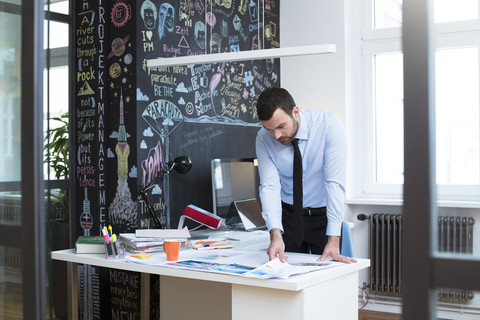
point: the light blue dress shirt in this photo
(323, 145)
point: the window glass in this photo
(58, 36)
(59, 6)
(56, 120)
(58, 93)
(455, 10)
(387, 14)
(10, 97)
(457, 116)
(388, 97)
(457, 99)
(19, 2)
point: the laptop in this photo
(246, 214)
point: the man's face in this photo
(149, 18)
(169, 19)
(282, 126)
(200, 34)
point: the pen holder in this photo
(109, 249)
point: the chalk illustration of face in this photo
(149, 14)
(215, 43)
(200, 34)
(166, 19)
(225, 3)
(270, 64)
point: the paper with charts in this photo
(253, 264)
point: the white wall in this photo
(315, 82)
(329, 82)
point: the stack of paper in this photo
(148, 240)
(133, 244)
(211, 244)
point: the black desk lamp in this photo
(181, 164)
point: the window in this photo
(457, 81)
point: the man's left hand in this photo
(332, 249)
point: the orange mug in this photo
(172, 249)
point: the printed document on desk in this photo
(237, 262)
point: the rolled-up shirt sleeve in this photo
(269, 189)
(335, 163)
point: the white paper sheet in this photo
(237, 262)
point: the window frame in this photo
(388, 40)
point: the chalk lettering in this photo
(175, 51)
(126, 279)
(85, 113)
(163, 91)
(148, 46)
(88, 136)
(85, 76)
(102, 198)
(101, 180)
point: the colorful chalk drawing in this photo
(163, 117)
(121, 13)
(122, 212)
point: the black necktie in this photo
(297, 193)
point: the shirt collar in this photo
(302, 132)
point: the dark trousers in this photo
(314, 232)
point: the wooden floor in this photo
(373, 315)
(11, 301)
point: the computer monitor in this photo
(233, 179)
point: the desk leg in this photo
(145, 296)
(72, 290)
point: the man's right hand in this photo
(277, 246)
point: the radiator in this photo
(455, 235)
(10, 214)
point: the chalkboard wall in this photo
(105, 155)
(202, 111)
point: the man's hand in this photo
(277, 246)
(332, 249)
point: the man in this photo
(322, 144)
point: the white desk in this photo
(186, 294)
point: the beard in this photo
(287, 139)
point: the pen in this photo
(215, 244)
(114, 241)
(110, 231)
(205, 242)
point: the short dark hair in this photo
(271, 99)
